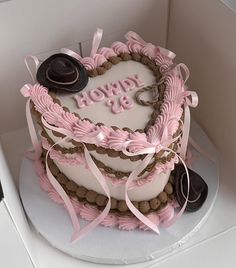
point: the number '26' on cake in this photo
(113, 135)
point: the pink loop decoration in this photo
(96, 42)
(36, 62)
(132, 36)
(71, 53)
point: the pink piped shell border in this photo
(89, 213)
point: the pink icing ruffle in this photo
(107, 52)
(119, 47)
(150, 51)
(134, 47)
(90, 213)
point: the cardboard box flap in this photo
(1, 192)
(13, 205)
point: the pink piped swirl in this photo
(107, 52)
(134, 47)
(37, 90)
(42, 102)
(88, 63)
(127, 223)
(119, 47)
(172, 89)
(116, 139)
(170, 108)
(163, 61)
(44, 183)
(53, 194)
(110, 220)
(89, 213)
(154, 133)
(166, 214)
(76, 204)
(82, 128)
(150, 51)
(68, 120)
(99, 59)
(138, 142)
(52, 116)
(154, 217)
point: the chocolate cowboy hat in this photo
(198, 188)
(62, 72)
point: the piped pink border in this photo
(89, 213)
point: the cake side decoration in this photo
(82, 157)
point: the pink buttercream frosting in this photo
(134, 47)
(82, 128)
(89, 63)
(116, 139)
(119, 47)
(107, 52)
(99, 59)
(163, 61)
(150, 50)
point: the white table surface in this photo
(217, 251)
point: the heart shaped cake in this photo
(113, 127)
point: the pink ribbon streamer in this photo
(189, 102)
(96, 42)
(36, 62)
(71, 53)
(33, 136)
(135, 37)
(56, 185)
(95, 45)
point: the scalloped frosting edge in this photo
(79, 159)
(89, 213)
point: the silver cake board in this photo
(110, 245)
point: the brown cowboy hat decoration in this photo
(198, 189)
(62, 72)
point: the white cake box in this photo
(201, 33)
(13, 215)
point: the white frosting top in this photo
(134, 118)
